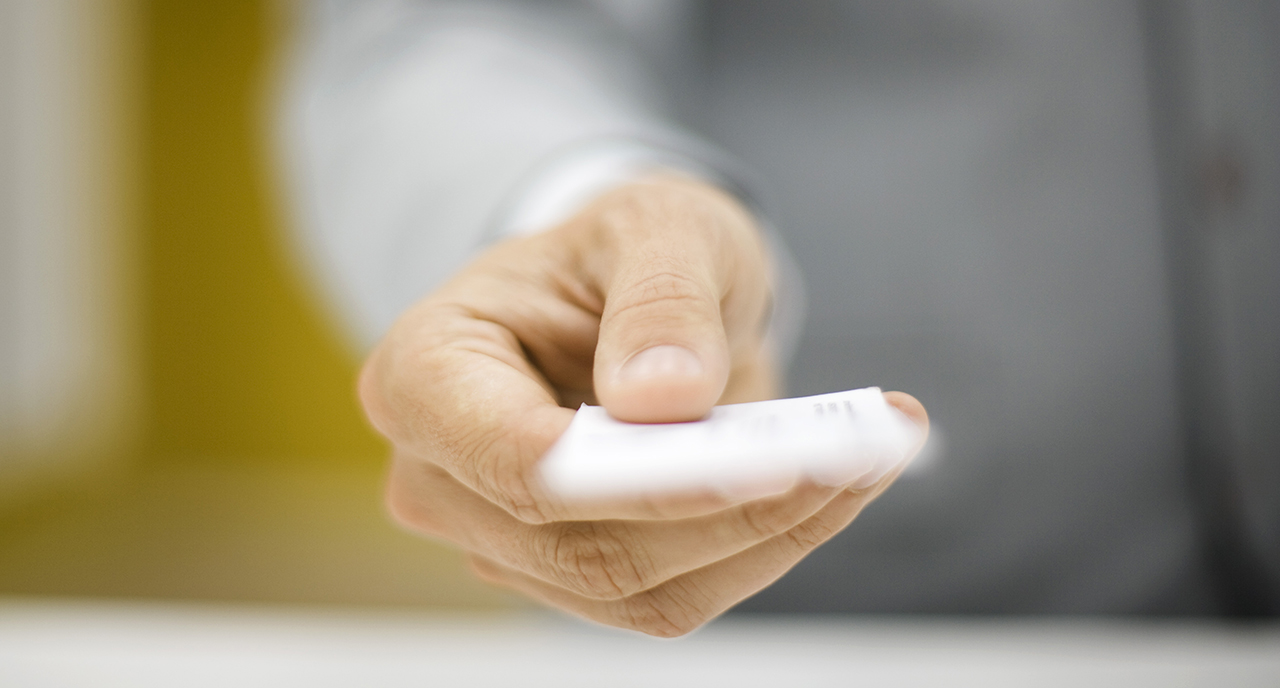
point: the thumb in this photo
(678, 267)
(684, 296)
(662, 355)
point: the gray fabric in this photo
(971, 191)
(405, 126)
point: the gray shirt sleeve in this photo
(406, 129)
(412, 133)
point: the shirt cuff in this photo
(567, 183)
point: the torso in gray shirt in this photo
(973, 192)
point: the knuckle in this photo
(512, 490)
(810, 534)
(501, 476)
(764, 520)
(593, 560)
(663, 288)
(661, 615)
(370, 397)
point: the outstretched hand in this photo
(651, 302)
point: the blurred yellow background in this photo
(242, 469)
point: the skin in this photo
(476, 381)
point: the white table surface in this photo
(69, 643)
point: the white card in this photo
(832, 439)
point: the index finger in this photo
(454, 387)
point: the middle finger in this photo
(608, 559)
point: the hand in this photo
(652, 301)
